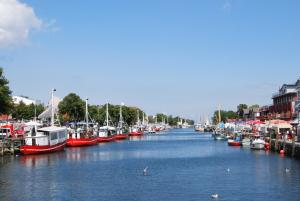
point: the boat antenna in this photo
(52, 107)
(35, 112)
(219, 114)
(107, 114)
(121, 117)
(86, 113)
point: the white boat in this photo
(258, 144)
(199, 127)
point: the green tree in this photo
(26, 112)
(20, 111)
(225, 115)
(5, 95)
(240, 109)
(72, 108)
(160, 117)
(173, 120)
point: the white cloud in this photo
(16, 21)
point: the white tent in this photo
(47, 113)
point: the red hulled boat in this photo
(45, 140)
(234, 143)
(121, 136)
(82, 142)
(136, 133)
(42, 149)
(106, 139)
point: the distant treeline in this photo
(230, 114)
(72, 109)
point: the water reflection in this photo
(32, 161)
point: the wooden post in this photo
(284, 142)
(276, 142)
(293, 143)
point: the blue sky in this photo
(178, 57)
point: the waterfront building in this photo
(285, 100)
(251, 113)
(264, 113)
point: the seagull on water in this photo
(145, 171)
(287, 170)
(228, 170)
(214, 196)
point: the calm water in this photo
(182, 166)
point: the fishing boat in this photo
(136, 130)
(121, 134)
(85, 141)
(106, 133)
(219, 131)
(80, 137)
(235, 142)
(46, 139)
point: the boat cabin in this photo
(6, 131)
(106, 131)
(46, 136)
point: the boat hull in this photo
(81, 142)
(220, 137)
(105, 139)
(31, 149)
(136, 134)
(258, 146)
(121, 136)
(234, 143)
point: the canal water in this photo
(182, 166)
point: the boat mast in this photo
(52, 107)
(219, 114)
(35, 112)
(138, 118)
(107, 115)
(121, 117)
(143, 118)
(86, 113)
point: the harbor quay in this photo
(149, 100)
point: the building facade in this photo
(285, 101)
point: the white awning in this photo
(47, 113)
